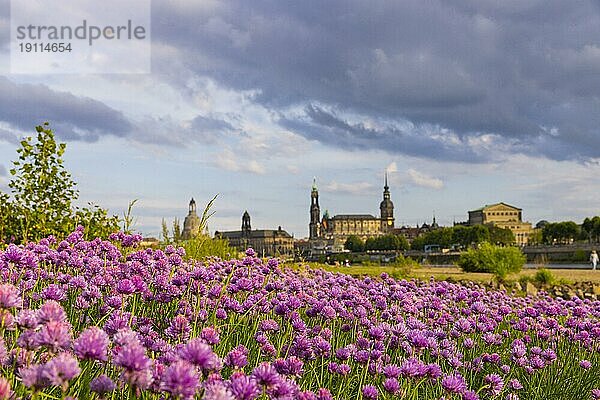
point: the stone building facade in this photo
(330, 233)
(266, 242)
(503, 216)
(191, 224)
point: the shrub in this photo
(202, 246)
(579, 256)
(354, 244)
(499, 261)
(544, 277)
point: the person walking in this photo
(594, 259)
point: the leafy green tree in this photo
(43, 193)
(96, 221)
(42, 188)
(590, 229)
(497, 260)
(386, 242)
(442, 237)
(165, 232)
(176, 230)
(354, 244)
(7, 227)
(560, 232)
(503, 236)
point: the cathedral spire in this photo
(386, 187)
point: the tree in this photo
(165, 232)
(387, 242)
(590, 229)
(42, 195)
(562, 232)
(354, 244)
(497, 260)
(503, 236)
(42, 188)
(442, 237)
(96, 221)
(6, 220)
(176, 230)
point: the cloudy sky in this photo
(464, 102)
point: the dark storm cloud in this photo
(332, 130)
(72, 117)
(525, 70)
(166, 131)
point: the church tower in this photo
(246, 228)
(314, 230)
(386, 208)
(191, 224)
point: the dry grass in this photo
(455, 273)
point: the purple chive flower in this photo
(242, 387)
(266, 375)
(102, 385)
(514, 384)
(495, 384)
(268, 325)
(33, 377)
(61, 369)
(391, 371)
(54, 335)
(237, 358)
(10, 297)
(3, 351)
(51, 311)
(125, 286)
(54, 292)
(5, 391)
(470, 395)
(27, 319)
(370, 392)
(391, 385)
(92, 344)
(596, 394)
(217, 391)
(180, 380)
(585, 364)
(210, 335)
(200, 354)
(179, 328)
(132, 357)
(413, 368)
(454, 384)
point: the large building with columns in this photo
(332, 232)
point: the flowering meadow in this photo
(100, 319)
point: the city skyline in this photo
(464, 103)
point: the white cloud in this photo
(421, 179)
(392, 167)
(356, 188)
(227, 160)
(293, 169)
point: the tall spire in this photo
(386, 181)
(314, 186)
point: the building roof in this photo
(354, 216)
(494, 205)
(257, 233)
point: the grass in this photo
(455, 273)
